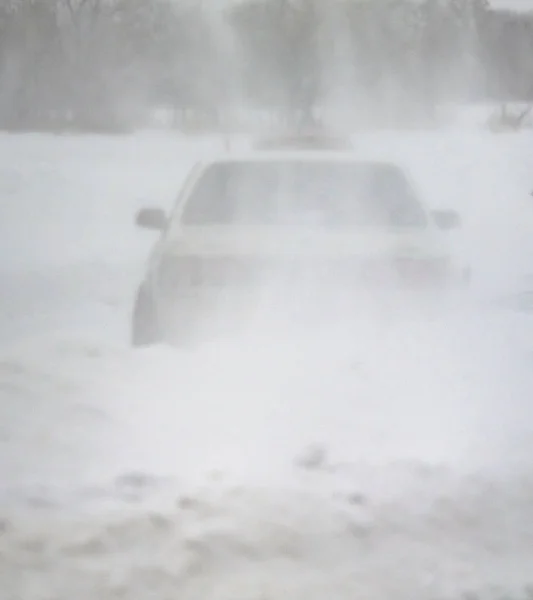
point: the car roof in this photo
(307, 141)
(326, 156)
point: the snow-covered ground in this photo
(393, 460)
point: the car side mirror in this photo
(151, 218)
(446, 220)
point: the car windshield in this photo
(312, 193)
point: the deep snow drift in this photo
(385, 459)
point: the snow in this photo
(378, 459)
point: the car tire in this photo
(144, 327)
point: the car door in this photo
(164, 247)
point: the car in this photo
(304, 141)
(286, 227)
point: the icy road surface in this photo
(393, 460)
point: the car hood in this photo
(280, 242)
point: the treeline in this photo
(106, 64)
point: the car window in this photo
(323, 194)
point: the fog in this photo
(112, 65)
(337, 442)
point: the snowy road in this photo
(391, 462)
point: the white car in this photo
(310, 142)
(292, 230)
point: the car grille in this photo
(187, 272)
